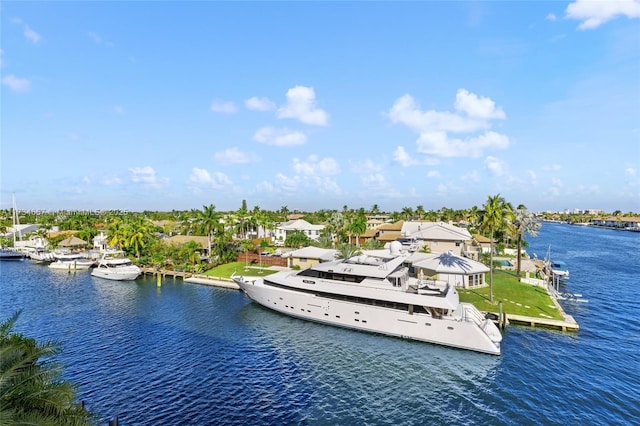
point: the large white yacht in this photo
(72, 262)
(114, 265)
(375, 292)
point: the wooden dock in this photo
(166, 273)
(567, 324)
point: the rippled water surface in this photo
(189, 354)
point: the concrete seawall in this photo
(212, 281)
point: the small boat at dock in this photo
(72, 262)
(114, 265)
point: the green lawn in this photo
(517, 298)
(240, 268)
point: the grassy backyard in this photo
(240, 268)
(517, 298)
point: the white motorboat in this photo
(72, 262)
(559, 268)
(376, 293)
(40, 255)
(114, 265)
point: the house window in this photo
(303, 260)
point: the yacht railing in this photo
(470, 313)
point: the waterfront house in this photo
(178, 240)
(440, 237)
(619, 222)
(478, 246)
(389, 231)
(308, 229)
(307, 257)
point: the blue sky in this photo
(312, 105)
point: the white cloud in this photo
(16, 84)
(279, 137)
(477, 106)
(312, 174)
(234, 156)
(407, 111)
(147, 176)
(265, 187)
(118, 109)
(438, 143)
(552, 17)
(595, 13)
(301, 105)
(401, 157)
(223, 107)
(201, 178)
(286, 183)
(315, 166)
(472, 114)
(374, 181)
(533, 177)
(259, 104)
(433, 174)
(31, 35)
(630, 172)
(495, 166)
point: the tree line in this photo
(231, 232)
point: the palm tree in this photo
(523, 222)
(358, 226)
(336, 225)
(137, 234)
(209, 220)
(31, 389)
(116, 232)
(345, 251)
(284, 212)
(473, 216)
(407, 213)
(496, 213)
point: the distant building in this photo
(307, 257)
(308, 229)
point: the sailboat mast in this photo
(16, 221)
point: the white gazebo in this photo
(456, 270)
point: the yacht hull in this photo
(115, 275)
(72, 266)
(453, 331)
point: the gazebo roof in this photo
(449, 263)
(72, 241)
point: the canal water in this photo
(187, 354)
